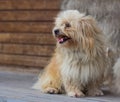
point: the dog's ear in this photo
(89, 31)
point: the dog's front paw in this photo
(95, 92)
(75, 94)
(51, 90)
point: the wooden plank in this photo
(28, 61)
(21, 83)
(35, 50)
(29, 4)
(28, 15)
(37, 27)
(27, 38)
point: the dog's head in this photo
(75, 29)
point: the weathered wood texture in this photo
(26, 31)
(21, 83)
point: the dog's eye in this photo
(67, 25)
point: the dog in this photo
(78, 64)
(106, 12)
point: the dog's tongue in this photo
(60, 40)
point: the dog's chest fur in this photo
(79, 68)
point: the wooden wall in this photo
(25, 31)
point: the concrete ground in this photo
(16, 87)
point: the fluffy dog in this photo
(106, 12)
(78, 64)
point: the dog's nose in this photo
(56, 31)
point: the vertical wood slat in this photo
(31, 27)
(27, 38)
(29, 4)
(28, 15)
(23, 49)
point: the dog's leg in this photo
(50, 81)
(73, 89)
(94, 90)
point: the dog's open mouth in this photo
(62, 38)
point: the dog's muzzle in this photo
(61, 37)
(56, 32)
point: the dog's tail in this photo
(37, 85)
(116, 79)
